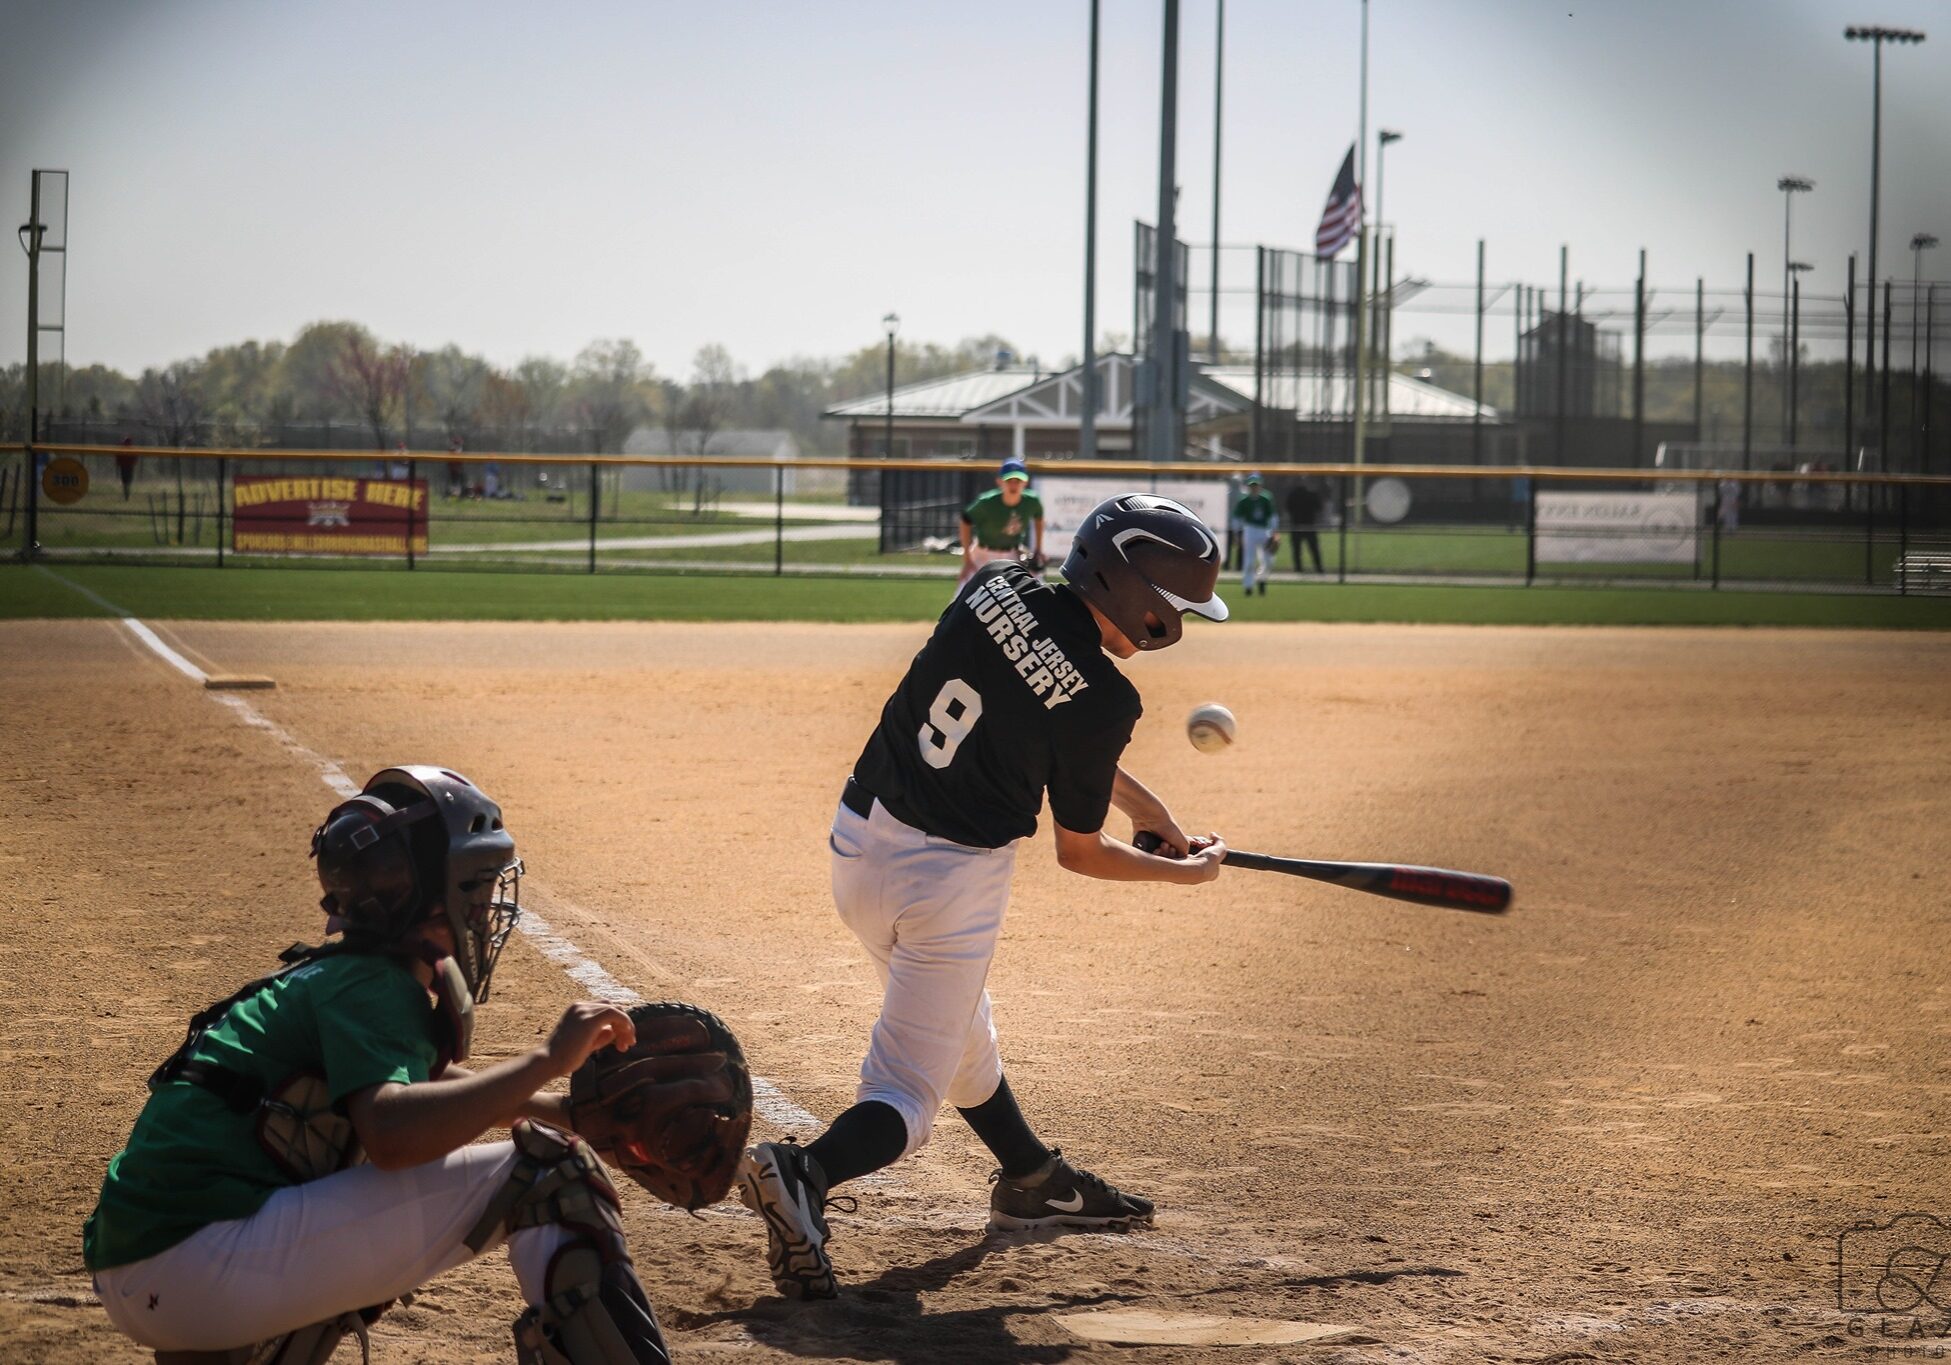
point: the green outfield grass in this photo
(342, 594)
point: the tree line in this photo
(339, 375)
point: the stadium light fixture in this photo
(1876, 35)
(1919, 244)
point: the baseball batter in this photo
(1015, 694)
(1259, 525)
(1004, 523)
(304, 1157)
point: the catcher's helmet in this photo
(1144, 561)
(418, 841)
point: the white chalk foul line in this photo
(767, 1098)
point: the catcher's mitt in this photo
(672, 1112)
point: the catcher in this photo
(308, 1154)
(1004, 523)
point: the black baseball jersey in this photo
(1013, 693)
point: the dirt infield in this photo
(1627, 1122)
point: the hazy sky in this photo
(777, 174)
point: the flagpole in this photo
(1361, 270)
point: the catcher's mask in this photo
(1144, 561)
(416, 842)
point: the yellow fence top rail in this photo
(1136, 468)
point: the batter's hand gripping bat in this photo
(1422, 885)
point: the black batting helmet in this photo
(417, 841)
(1144, 561)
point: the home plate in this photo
(1145, 1327)
(237, 682)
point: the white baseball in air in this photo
(1211, 728)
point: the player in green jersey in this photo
(1004, 523)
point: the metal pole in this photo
(594, 470)
(1531, 530)
(1341, 538)
(1639, 362)
(1794, 353)
(1361, 259)
(1162, 431)
(1477, 385)
(410, 465)
(1849, 375)
(1883, 382)
(1700, 353)
(779, 521)
(1748, 373)
(1386, 304)
(31, 542)
(1254, 437)
(1088, 418)
(221, 471)
(887, 430)
(1563, 348)
(1916, 267)
(1219, 86)
(1876, 188)
(1930, 382)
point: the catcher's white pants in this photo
(1253, 555)
(928, 911)
(317, 1250)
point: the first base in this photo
(237, 682)
(1146, 1327)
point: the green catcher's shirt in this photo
(1255, 509)
(1003, 528)
(360, 1019)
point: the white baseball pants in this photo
(977, 556)
(317, 1250)
(928, 911)
(1253, 555)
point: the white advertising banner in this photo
(1617, 528)
(1068, 499)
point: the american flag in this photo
(1343, 215)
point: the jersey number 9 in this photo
(953, 713)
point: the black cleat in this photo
(1058, 1194)
(786, 1187)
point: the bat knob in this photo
(1147, 842)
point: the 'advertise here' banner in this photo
(328, 516)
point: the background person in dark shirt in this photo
(1303, 515)
(1014, 694)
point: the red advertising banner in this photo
(331, 516)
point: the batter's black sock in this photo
(865, 1138)
(1005, 1132)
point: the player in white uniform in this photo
(305, 1156)
(1014, 693)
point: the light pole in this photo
(1876, 35)
(1919, 244)
(890, 324)
(1383, 137)
(1792, 352)
(1790, 186)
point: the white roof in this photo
(948, 397)
(1317, 393)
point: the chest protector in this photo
(300, 1129)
